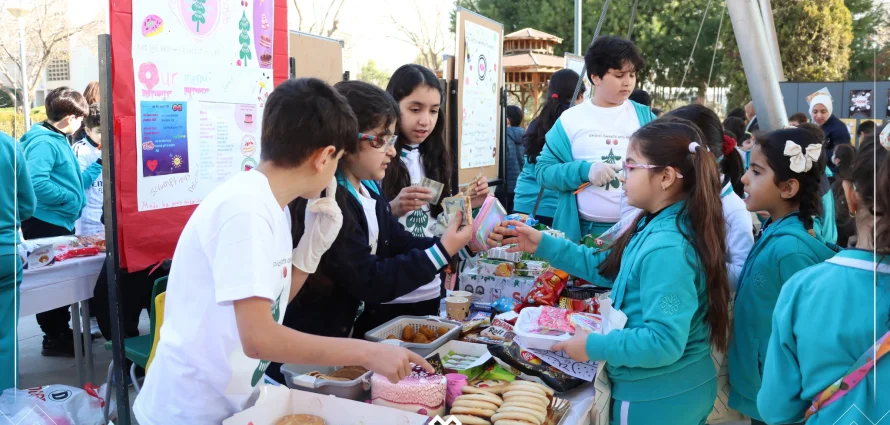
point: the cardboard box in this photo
(487, 289)
(276, 402)
(466, 348)
(499, 268)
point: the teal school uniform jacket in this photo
(527, 190)
(664, 349)
(13, 168)
(783, 249)
(558, 170)
(824, 321)
(59, 184)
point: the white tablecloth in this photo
(582, 401)
(59, 285)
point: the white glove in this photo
(601, 173)
(323, 221)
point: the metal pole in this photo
(759, 70)
(26, 104)
(766, 11)
(578, 28)
(112, 259)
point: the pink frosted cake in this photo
(420, 393)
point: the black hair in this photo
(845, 154)
(735, 127)
(92, 120)
(611, 52)
(772, 145)
(732, 166)
(514, 114)
(799, 117)
(559, 99)
(657, 112)
(65, 101)
(302, 116)
(372, 107)
(434, 151)
(865, 127)
(641, 96)
(737, 113)
(846, 225)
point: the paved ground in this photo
(36, 370)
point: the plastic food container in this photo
(396, 326)
(295, 377)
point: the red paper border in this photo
(145, 238)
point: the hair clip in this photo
(802, 161)
(692, 146)
(554, 96)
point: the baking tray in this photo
(396, 326)
(559, 409)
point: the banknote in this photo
(470, 188)
(435, 187)
(454, 204)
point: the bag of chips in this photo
(529, 364)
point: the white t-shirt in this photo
(418, 223)
(90, 221)
(236, 245)
(600, 135)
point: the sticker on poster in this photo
(164, 138)
(860, 103)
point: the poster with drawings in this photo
(202, 72)
(860, 103)
(479, 115)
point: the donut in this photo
(152, 25)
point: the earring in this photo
(853, 213)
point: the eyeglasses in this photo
(625, 166)
(379, 142)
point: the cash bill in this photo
(454, 204)
(435, 187)
(470, 188)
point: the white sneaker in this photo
(94, 327)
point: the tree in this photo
(370, 73)
(868, 17)
(428, 38)
(198, 14)
(244, 39)
(316, 23)
(48, 35)
(814, 44)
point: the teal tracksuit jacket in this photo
(783, 249)
(824, 321)
(664, 350)
(59, 184)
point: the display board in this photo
(189, 81)
(576, 63)
(480, 77)
(316, 56)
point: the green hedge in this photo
(8, 116)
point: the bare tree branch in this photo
(299, 16)
(429, 43)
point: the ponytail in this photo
(668, 142)
(882, 207)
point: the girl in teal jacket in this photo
(786, 168)
(559, 99)
(668, 277)
(805, 356)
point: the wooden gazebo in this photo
(529, 62)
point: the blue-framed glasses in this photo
(379, 142)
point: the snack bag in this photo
(555, 319)
(490, 216)
(548, 286)
(526, 362)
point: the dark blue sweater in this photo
(514, 157)
(836, 133)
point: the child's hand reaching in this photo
(480, 191)
(411, 198)
(575, 347)
(522, 235)
(456, 237)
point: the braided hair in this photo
(809, 195)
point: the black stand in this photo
(112, 260)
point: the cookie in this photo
(529, 400)
(539, 414)
(475, 404)
(482, 413)
(528, 388)
(469, 389)
(510, 394)
(517, 416)
(301, 420)
(469, 420)
(534, 384)
(512, 422)
(482, 397)
(527, 406)
(496, 386)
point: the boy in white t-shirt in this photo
(588, 143)
(235, 270)
(88, 149)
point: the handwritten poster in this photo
(479, 132)
(203, 71)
